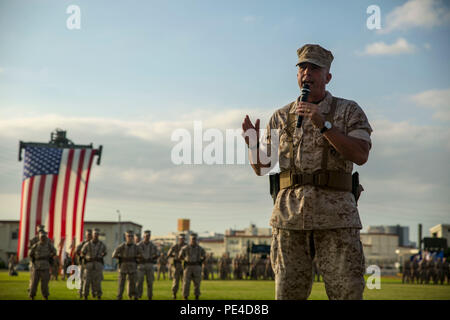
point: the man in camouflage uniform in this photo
(222, 266)
(162, 265)
(415, 275)
(176, 267)
(92, 254)
(12, 265)
(193, 256)
(440, 274)
(236, 267)
(315, 212)
(41, 255)
(127, 253)
(253, 268)
(423, 269)
(66, 263)
(33, 241)
(205, 271)
(406, 272)
(79, 260)
(432, 269)
(55, 268)
(446, 270)
(228, 263)
(147, 255)
(244, 266)
(210, 265)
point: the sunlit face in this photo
(88, 236)
(193, 241)
(147, 237)
(316, 77)
(181, 241)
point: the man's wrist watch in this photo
(326, 126)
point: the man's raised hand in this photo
(250, 132)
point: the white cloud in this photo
(401, 46)
(436, 100)
(149, 130)
(417, 13)
(250, 19)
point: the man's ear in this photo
(328, 79)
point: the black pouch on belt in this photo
(356, 187)
(274, 180)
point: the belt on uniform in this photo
(94, 259)
(142, 261)
(128, 259)
(325, 179)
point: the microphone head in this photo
(305, 88)
(304, 92)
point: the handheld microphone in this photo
(303, 97)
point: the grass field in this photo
(15, 288)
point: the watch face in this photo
(327, 124)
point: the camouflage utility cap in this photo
(313, 53)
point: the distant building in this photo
(214, 246)
(380, 249)
(401, 231)
(238, 241)
(441, 231)
(234, 241)
(405, 253)
(9, 235)
(111, 233)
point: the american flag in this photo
(54, 189)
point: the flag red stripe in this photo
(51, 213)
(40, 200)
(65, 194)
(85, 193)
(27, 227)
(19, 243)
(77, 190)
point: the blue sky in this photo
(138, 69)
